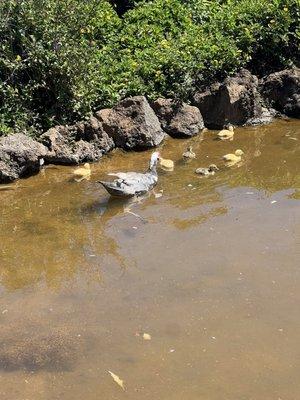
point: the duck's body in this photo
(83, 172)
(166, 164)
(207, 171)
(226, 134)
(189, 154)
(233, 158)
(130, 184)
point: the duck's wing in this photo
(81, 172)
(228, 157)
(222, 132)
(201, 171)
(139, 181)
(126, 175)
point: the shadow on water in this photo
(55, 351)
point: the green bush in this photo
(49, 59)
(62, 59)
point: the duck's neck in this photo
(152, 169)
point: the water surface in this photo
(210, 271)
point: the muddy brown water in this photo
(211, 271)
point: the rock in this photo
(82, 142)
(178, 119)
(236, 101)
(132, 124)
(282, 91)
(19, 156)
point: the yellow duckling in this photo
(189, 154)
(232, 159)
(166, 164)
(226, 134)
(83, 172)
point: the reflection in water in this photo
(66, 238)
(189, 223)
(82, 273)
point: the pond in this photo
(208, 268)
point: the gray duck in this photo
(130, 184)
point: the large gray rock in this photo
(236, 101)
(82, 142)
(282, 91)
(178, 119)
(19, 156)
(132, 124)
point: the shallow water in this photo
(210, 271)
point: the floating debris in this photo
(146, 336)
(126, 210)
(118, 381)
(6, 187)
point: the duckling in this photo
(83, 172)
(207, 171)
(167, 165)
(189, 154)
(232, 159)
(226, 134)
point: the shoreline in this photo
(137, 124)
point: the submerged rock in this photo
(82, 142)
(19, 156)
(132, 124)
(282, 91)
(178, 119)
(236, 100)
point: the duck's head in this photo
(213, 167)
(154, 159)
(230, 127)
(239, 152)
(86, 166)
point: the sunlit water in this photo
(211, 270)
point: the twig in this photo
(137, 215)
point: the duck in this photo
(233, 158)
(207, 171)
(130, 184)
(189, 154)
(83, 172)
(167, 165)
(226, 134)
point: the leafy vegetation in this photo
(61, 59)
